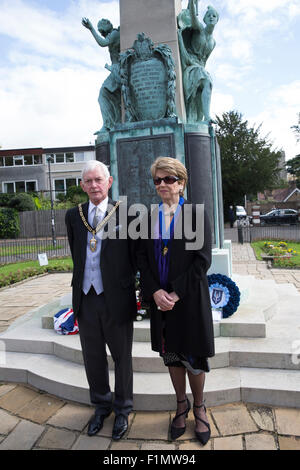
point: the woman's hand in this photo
(163, 300)
(174, 296)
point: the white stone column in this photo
(158, 20)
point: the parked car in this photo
(279, 216)
(240, 212)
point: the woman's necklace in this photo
(167, 235)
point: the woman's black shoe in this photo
(204, 436)
(177, 432)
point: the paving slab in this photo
(158, 446)
(5, 388)
(288, 421)
(17, 398)
(72, 416)
(7, 422)
(55, 438)
(260, 441)
(186, 446)
(228, 443)
(23, 437)
(233, 419)
(125, 445)
(91, 443)
(148, 425)
(41, 408)
(289, 443)
(263, 417)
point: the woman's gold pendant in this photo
(93, 244)
(165, 250)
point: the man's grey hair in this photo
(92, 165)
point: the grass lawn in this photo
(293, 262)
(63, 263)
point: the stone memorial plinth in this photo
(158, 20)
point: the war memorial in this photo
(155, 102)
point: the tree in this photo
(293, 167)
(249, 165)
(296, 129)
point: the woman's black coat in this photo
(189, 325)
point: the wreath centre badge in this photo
(224, 296)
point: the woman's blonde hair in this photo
(172, 166)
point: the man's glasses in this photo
(167, 179)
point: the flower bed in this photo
(281, 254)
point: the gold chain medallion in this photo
(93, 241)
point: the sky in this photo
(51, 69)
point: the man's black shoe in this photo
(96, 423)
(120, 427)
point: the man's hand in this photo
(163, 300)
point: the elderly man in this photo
(104, 299)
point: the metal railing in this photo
(269, 232)
(12, 251)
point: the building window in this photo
(8, 161)
(37, 159)
(79, 156)
(30, 186)
(19, 186)
(68, 157)
(8, 187)
(62, 185)
(59, 158)
(21, 160)
(28, 159)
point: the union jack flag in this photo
(64, 323)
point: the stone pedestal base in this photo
(222, 260)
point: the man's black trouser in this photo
(97, 330)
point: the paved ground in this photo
(31, 419)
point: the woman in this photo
(173, 279)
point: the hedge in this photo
(9, 223)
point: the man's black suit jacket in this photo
(117, 263)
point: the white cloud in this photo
(49, 107)
(258, 6)
(281, 108)
(49, 88)
(221, 103)
(46, 33)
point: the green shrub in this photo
(22, 202)
(76, 194)
(5, 199)
(9, 223)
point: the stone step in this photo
(274, 353)
(153, 391)
(259, 299)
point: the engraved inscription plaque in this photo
(148, 81)
(148, 89)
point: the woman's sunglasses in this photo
(167, 179)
